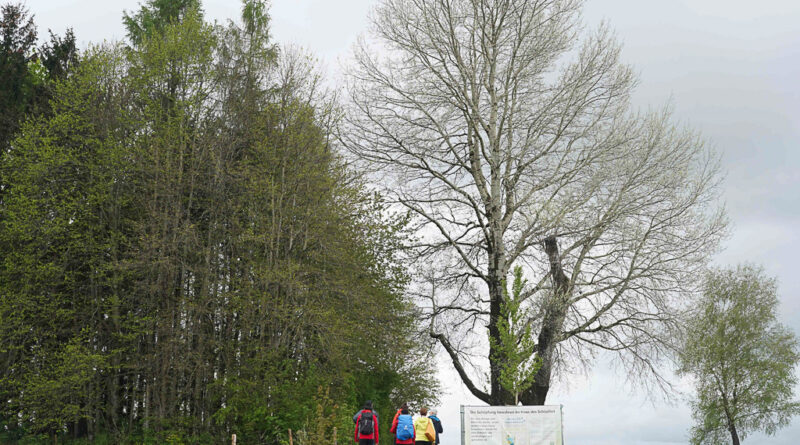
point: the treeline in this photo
(184, 254)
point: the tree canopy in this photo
(742, 359)
(509, 135)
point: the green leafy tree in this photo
(63, 226)
(516, 344)
(742, 359)
(63, 391)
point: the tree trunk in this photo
(496, 275)
(731, 423)
(82, 428)
(552, 325)
(498, 396)
(734, 435)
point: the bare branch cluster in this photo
(508, 132)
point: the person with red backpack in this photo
(403, 427)
(366, 425)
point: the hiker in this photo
(437, 424)
(403, 427)
(423, 426)
(375, 413)
(399, 411)
(366, 422)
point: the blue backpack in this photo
(405, 427)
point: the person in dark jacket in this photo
(355, 416)
(437, 424)
(366, 422)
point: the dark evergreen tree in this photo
(17, 79)
(60, 55)
(154, 16)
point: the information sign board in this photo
(511, 425)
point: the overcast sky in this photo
(731, 68)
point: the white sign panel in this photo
(511, 425)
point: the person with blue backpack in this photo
(403, 427)
(399, 410)
(366, 422)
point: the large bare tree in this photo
(508, 132)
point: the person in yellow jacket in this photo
(424, 425)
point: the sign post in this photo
(462, 425)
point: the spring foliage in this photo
(185, 256)
(517, 344)
(741, 357)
